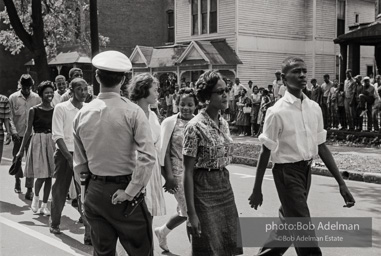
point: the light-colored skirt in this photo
(39, 158)
(154, 192)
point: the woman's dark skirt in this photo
(217, 212)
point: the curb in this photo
(367, 177)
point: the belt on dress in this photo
(210, 169)
(112, 179)
(44, 131)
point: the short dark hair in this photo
(206, 83)
(313, 80)
(139, 86)
(71, 72)
(26, 80)
(288, 61)
(76, 82)
(189, 92)
(60, 77)
(43, 85)
(109, 78)
(326, 75)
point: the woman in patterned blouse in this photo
(207, 150)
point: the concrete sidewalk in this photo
(368, 177)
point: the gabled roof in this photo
(215, 52)
(141, 55)
(369, 34)
(166, 56)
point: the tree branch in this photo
(17, 25)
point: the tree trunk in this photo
(41, 65)
(35, 42)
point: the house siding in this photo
(226, 22)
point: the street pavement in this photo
(25, 233)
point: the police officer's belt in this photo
(112, 179)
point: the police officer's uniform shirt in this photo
(112, 137)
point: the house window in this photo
(340, 17)
(195, 17)
(171, 26)
(213, 17)
(369, 70)
(204, 17)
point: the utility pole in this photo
(94, 39)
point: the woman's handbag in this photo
(16, 168)
(246, 110)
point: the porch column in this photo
(377, 55)
(354, 59)
(343, 62)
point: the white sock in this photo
(165, 230)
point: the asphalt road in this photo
(25, 233)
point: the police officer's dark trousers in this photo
(292, 182)
(108, 222)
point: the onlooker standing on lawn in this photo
(355, 104)
(349, 90)
(326, 88)
(243, 119)
(332, 105)
(367, 98)
(20, 102)
(255, 105)
(376, 111)
(277, 84)
(265, 104)
(341, 107)
(316, 92)
(231, 97)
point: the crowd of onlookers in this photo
(353, 105)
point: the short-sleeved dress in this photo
(176, 156)
(154, 189)
(214, 202)
(39, 158)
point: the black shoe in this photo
(74, 203)
(29, 195)
(87, 241)
(55, 231)
(80, 220)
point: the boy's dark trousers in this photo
(64, 174)
(292, 182)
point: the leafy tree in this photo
(44, 25)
